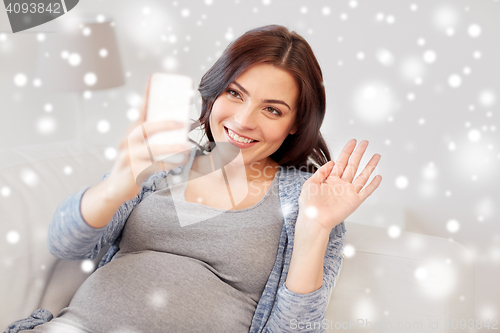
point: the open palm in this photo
(330, 195)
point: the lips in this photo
(227, 130)
(237, 143)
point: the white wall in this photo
(444, 141)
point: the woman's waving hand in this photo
(332, 194)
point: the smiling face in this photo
(260, 105)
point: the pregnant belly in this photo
(157, 292)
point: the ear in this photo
(294, 129)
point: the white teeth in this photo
(236, 137)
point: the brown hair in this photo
(275, 45)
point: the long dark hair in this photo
(276, 45)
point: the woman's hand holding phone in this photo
(135, 160)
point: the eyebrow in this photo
(276, 101)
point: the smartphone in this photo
(170, 97)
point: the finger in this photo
(155, 126)
(322, 173)
(144, 108)
(139, 163)
(341, 163)
(125, 140)
(158, 149)
(361, 180)
(137, 135)
(367, 191)
(141, 119)
(161, 149)
(142, 157)
(170, 161)
(144, 171)
(352, 166)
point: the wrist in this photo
(109, 192)
(311, 228)
(305, 273)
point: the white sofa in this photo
(410, 279)
(407, 281)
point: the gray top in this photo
(181, 267)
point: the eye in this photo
(278, 113)
(233, 93)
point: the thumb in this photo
(322, 173)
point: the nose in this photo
(246, 118)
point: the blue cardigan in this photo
(278, 310)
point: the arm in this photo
(71, 237)
(294, 310)
(305, 274)
(330, 195)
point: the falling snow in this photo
(401, 182)
(90, 79)
(20, 80)
(418, 80)
(103, 126)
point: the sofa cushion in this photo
(33, 181)
(413, 278)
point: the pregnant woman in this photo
(222, 242)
